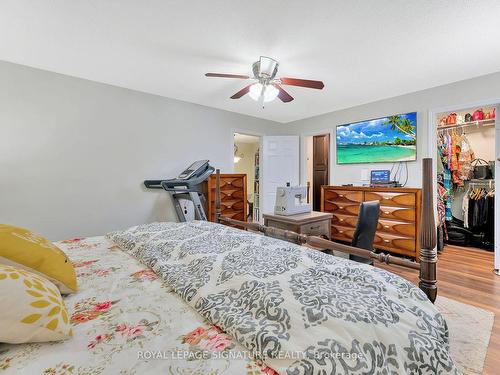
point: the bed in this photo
(204, 298)
(126, 321)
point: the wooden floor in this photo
(466, 275)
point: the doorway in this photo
(467, 140)
(247, 161)
(317, 151)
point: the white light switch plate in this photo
(364, 174)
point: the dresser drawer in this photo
(342, 208)
(237, 215)
(228, 183)
(316, 229)
(342, 233)
(280, 225)
(230, 194)
(397, 213)
(394, 243)
(234, 205)
(344, 220)
(344, 196)
(400, 228)
(391, 199)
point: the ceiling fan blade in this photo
(283, 95)
(242, 92)
(223, 75)
(302, 83)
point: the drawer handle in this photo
(386, 226)
(340, 207)
(387, 212)
(341, 231)
(387, 241)
(315, 227)
(341, 195)
(341, 219)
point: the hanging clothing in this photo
(465, 159)
(465, 210)
(481, 215)
(449, 200)
(455, 156)
(490, 222)
(441, 206)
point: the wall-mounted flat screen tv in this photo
(382, 140)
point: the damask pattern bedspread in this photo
(299, 310)
(127, 321)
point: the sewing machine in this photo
(291, 200)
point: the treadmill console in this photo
(199, 165)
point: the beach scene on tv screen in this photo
(386, 139)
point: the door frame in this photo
(431, 152)
(303, 157)
(231, 155)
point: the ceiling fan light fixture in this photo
(267, 86)
(270, 92)
(255, 91)
(267, 67)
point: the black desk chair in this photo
(365, 229)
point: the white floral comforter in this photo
(127, 321)
(301, 311)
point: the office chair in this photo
(366, 227)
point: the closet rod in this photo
(488, 183)
(488, 122)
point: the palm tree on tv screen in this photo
(402, 125)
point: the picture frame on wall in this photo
(381, 140)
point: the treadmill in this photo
(187, 186)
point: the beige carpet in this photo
(470, 331)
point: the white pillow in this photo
(32, 308)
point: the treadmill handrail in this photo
(153, 184)
(169, 184)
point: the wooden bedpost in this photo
(428, 253)
(217, 196)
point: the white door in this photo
(280, 164)
(497, 199)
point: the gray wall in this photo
(459, 93)
(74, 153)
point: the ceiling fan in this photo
(268, 87)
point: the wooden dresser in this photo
(233, 196)
(399, 222)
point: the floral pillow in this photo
(36, 311)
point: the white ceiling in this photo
(363, 50)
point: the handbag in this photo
(482, 170)
(451, 119)
(478, 115)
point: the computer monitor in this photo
(382, 176)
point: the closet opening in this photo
(317, 151)
(247, 161)
(466, 154)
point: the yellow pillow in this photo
(32, 308)
(22, 249)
